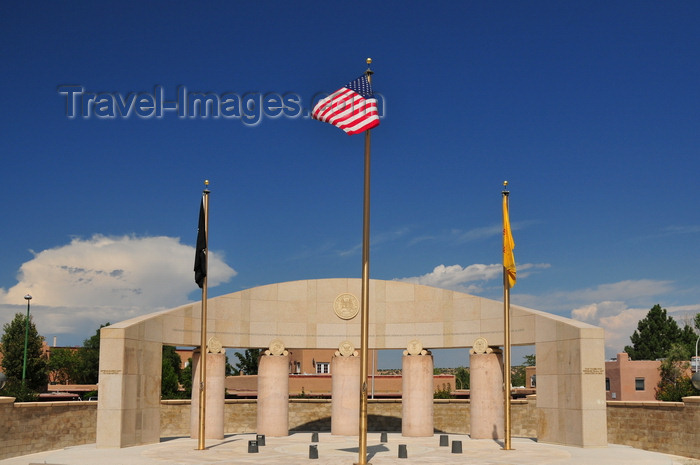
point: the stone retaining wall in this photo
(30, 427)
(27, 428)
(669, 427)
(450, 416)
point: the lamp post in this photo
(26, 339)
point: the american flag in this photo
(352, 108)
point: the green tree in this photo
(517, 376)
(12, 348)
(518, 372)
(186, 379)
(169, 384)
(654, 335)
(88, 366)
(675, 383)
(230, 370)
(530, 360)
(170, 375)
(444, 393)
(248, 361)
(687, 338)
(173, 358)
(62, 365)
(462, 377)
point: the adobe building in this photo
(631, 380)
(318, 361)
(625, 379)
(310, 385)
(310, 375)
(323, 314)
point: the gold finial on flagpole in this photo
(369, 71)
(505, 188)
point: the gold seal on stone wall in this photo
(276, 347)
(346, 349)
(415, 347)
(481, 346)
(346, 306)
(214, 345)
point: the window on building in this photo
(323, 367)
(607, 384)
(639, 384)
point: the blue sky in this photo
(589, 109)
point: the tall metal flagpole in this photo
(203, 340)
(364, 343)
(506, 328)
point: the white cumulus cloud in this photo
(469, 279)
(620, 321)
(457, 278)
(615, 307)
(91, 281)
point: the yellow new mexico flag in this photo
(508, 246)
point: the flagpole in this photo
(506, 334)
(364, 336)
(203, 338)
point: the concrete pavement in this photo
(343, 450)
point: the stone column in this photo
(273, 392)
(215, 396)
(417, 391)
(487, 406)
(345, 393)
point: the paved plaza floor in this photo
(343, 450)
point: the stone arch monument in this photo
(570, 354)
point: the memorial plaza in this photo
(342, 450)
(568, 421)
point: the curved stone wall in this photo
(323, 313)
